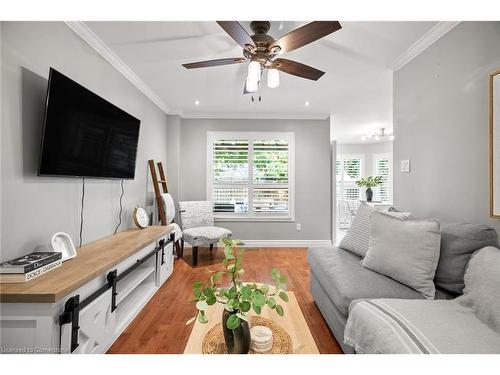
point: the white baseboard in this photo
(286, 243)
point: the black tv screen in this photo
(85, 135)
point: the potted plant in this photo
(368, 183)
(238, 298)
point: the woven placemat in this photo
(213, 342)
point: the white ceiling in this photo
(356, 89)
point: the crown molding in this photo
(251, 116)
(84, 32)
(429, 38)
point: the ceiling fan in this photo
(261, 51)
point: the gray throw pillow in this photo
(458, 242)
(356, 238)
(482, 286)
(406, 251)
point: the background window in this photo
(250, 175)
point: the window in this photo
(250, 175)
(349, 169)
(383, 167)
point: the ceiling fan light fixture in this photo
(252, 84)
(273, 78)
(254, 70)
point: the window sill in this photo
(254, 219)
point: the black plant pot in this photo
(237, 340)
(369, 195)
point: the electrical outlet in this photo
(299, 226)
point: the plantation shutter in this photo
(230, 167)
(382, 169)
(251, 175)
(270, 167)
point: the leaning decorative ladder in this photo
(159, 199)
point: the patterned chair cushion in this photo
(205, 235)
(196, 214)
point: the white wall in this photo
(366, 149)
(33, 208)
(312, 174)
(441, 126)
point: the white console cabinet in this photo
(32, 313)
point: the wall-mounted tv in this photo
(84, 135)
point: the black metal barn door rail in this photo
(73, 305)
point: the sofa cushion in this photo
(482, 286)
(356, 238)
(407, 251)
(344, 279)
(458, 242)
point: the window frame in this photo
(252, 136)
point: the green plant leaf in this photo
(197, 293)
(228, 253)
(258, 298)
(233, 322)
(232, 293)
(283, 279)
(257, 309)
(279, 310)
(264, 289)
(202, 305)
(283, 296)
(275, 274)
(271, 302)
(211, 301)
(209, 292)
(246, 292)
(245, 306)
(197, 285)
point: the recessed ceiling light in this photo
(196, 102)
(306, 104)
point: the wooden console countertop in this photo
(91, 260)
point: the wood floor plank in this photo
(160, 326)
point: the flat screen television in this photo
(84, 135)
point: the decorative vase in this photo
(237, 340)
(369, 195)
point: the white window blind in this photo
(250, 175)
(383, 168)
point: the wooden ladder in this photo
(159, 199)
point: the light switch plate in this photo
(405, 166)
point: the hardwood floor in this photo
(160, 326)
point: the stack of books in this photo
(29, 266)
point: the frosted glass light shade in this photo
(252, 84)
(254, 70)
(273, 78)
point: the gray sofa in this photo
(337, 277)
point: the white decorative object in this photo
(141, 218)
(62, 243)
(261, 339)
(405, 166)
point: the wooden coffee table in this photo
(293, 322)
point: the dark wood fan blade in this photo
(209, 63)
(238, 33)
(305, 35)
(297, 69)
